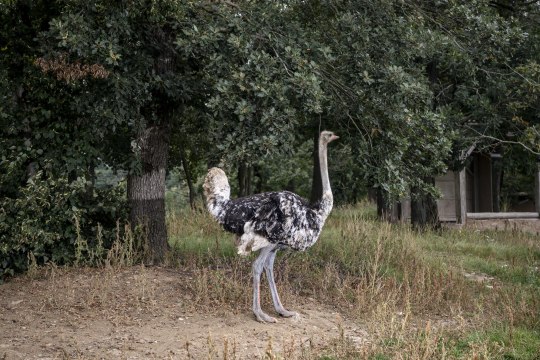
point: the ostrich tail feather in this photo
(217, 191)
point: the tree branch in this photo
(501, 141)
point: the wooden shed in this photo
(472, 193)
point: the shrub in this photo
(46, 217)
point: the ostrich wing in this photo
(241, 210)
(285, 218)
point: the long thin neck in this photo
(324, 169)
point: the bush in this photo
(47, 216)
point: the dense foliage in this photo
(49, 215)
(410, 86)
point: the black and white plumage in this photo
(270, 221)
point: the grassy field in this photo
(455, 294)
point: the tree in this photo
(246, 84)
(263, 83)
(408, 80)
(380, 96)
(163, 57)
(147, 87)
(477, 60)
(48, 150)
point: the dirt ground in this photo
(531, 226)
(143, 313)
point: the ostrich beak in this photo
(333, 137)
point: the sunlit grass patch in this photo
(512, 273)
(507, 257)
(196, 239)
(501, 342)
(429, 343)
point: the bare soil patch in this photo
(531, 226)
(145, 313)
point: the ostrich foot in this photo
(287, 313)
(264, 318)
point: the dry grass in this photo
(412, 293)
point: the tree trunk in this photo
(189, 180)
(146, 191)
(497, 176)
(386, 210)
(241, 177)
(358, 187)
(249, 180)
(372, 195)
(90, 181)
(260, 183)
(245, 175)
(316, 183)
(424, 213)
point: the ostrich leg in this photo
(258, 266)
(269, 268)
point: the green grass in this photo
(508, 257)
(401, 285)
(505, 343)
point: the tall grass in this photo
(414, 292)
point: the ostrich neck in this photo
(327, 191)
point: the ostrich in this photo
(268, 222)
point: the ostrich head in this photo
(327, 137)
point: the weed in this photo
(33, 270)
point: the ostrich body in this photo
(270, 221)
